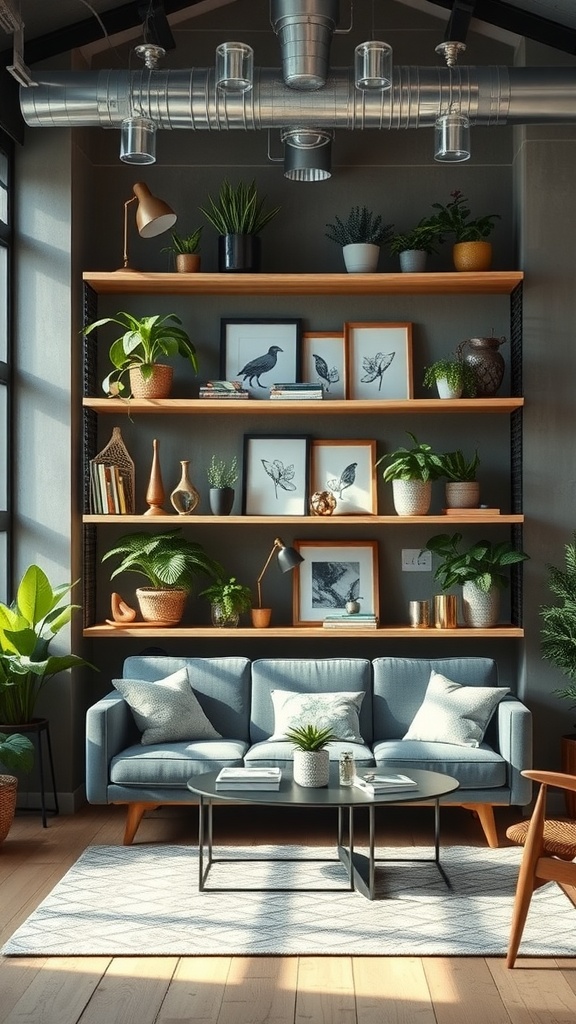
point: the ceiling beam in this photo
(522, 23)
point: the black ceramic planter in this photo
(238, 254)
(221, 500)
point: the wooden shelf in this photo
(492, 282)
(265, 407)
(304, 632)
(361, 520)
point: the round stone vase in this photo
(483, 357)
(312, 768)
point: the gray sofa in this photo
(235, 695)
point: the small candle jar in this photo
(346, 767)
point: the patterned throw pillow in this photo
(166, 710)
(453, 713)
(336, 711)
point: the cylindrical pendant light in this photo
(373, 65)
(138, 141)
(234, 67)
(452, 138)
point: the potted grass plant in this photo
(222, 476)
(311, 754)
(185, 250)
(361, 236)
(239, 215)
(411, 472)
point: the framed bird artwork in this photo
(260, 353)
(348, 470)
(324, 362)
(379, 360)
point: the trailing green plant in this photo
(558, 633)
(361, 225)
(425, 237)
(230, 594)
(238, 210)
(143, 344)
(418, 463)
(310, 737)
(27, 628)
(221, 473)
(16, 752)
(457, 373)
(455, 218)
(483, 563)
(167, 560)
(184, 243)
(457, 467)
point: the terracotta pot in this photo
(187, 262)
(161, 605)
(261, 617)
(472, 255)
(158, 385)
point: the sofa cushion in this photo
(280, 753)
(453, 713)
(166, 710)
(475, 768)
(171, 765)
(335, 711)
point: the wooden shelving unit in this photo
(338, 407)
(320, 521)
(303, 632)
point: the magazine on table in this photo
(378, 783)
(248, 778)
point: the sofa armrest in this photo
(515, 745)
(109, 729)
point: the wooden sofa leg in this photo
(135, 813)
(485, 813)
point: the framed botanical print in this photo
(348, 470)
(275, 475)
(379, 360)
(260, 353)
(324, 361)
(332, 573)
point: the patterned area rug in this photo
(144, 900)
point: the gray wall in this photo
(79, 177)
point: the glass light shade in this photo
(307, 153)
(452, 139)
(234, 67)
(138, 141)
(373, 65)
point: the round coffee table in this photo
(431, 786)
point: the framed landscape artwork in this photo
(332, 573)
(379, 360)
(275, 477)
(324, 361)
(348, 470)
(260, 353)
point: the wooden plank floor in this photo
(255, 990)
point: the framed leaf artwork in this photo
(348, 470)
(324, 361)
(275, 475)
(332, 573)
(379, 360)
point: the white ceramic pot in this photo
(445, 391)
(412, 497)
(312, 768)
(462, 494)
(361, 258)
(481, 611)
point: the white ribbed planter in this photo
(481, 611)
(312, 768)
(361, 257)
(412, 497)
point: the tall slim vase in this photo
(155, 492)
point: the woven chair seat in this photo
(559, 836)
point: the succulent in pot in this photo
(239, 215)
(411, 472)
(455, 218)
(137, 352)
(462, 487)
(311, 755)
(453, 378)
(229, 599)
(361, 235)
(185, 250)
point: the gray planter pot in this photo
(481, 611)
(413, 261)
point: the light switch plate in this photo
(416, 560)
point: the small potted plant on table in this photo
(311, 755)
(222, 476)
(239, 216)
(186, 251)
(471, 251)
(462, 487)
(361, 235)
(228, 598)
(453, 378)
(411, 472)
(414, 246)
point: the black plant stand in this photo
(39, 729)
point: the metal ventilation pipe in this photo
(189, 99)
(304, 29)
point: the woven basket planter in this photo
(8, 789)
(161, 605)
(158, 385)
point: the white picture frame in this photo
(347, 468)
(332, 573)
(379, 361)
(275, 475)
(244, 343)
(324, 362)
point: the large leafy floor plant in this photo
(558, 633)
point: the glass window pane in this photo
(3, 304)
(3, 447)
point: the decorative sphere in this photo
(322, 503)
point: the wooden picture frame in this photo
(347, 468)
(260, 352)
(324, 361)
(332, 573)
(275, 475)
(379, 361)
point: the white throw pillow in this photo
(336, 711)
(166, 710)
(453, 713)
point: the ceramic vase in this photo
(155, 491)
(184, 497)
(412, 497)
(483, 357)
(361, 257)
(312, 768)
(480, 610)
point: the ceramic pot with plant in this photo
(414, 246)
(137, 352)
(411, 472)
(238, 214)
(311, 755)
(222, 476)
(481, 571)
(16, 755)
(462, 488)
(471, 251)
(27, 628)
(229, 599)
(171, 565)
(361, 236)
(185, 250)
(453, 378)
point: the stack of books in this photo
(296, 391)
(107, 490)
(342, 620)
(377, 783)
(235, 779)
(223, 389)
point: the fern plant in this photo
(238, 210)
(361, 225)
(558, 634)
(167, 560)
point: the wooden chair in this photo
(549, 845)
